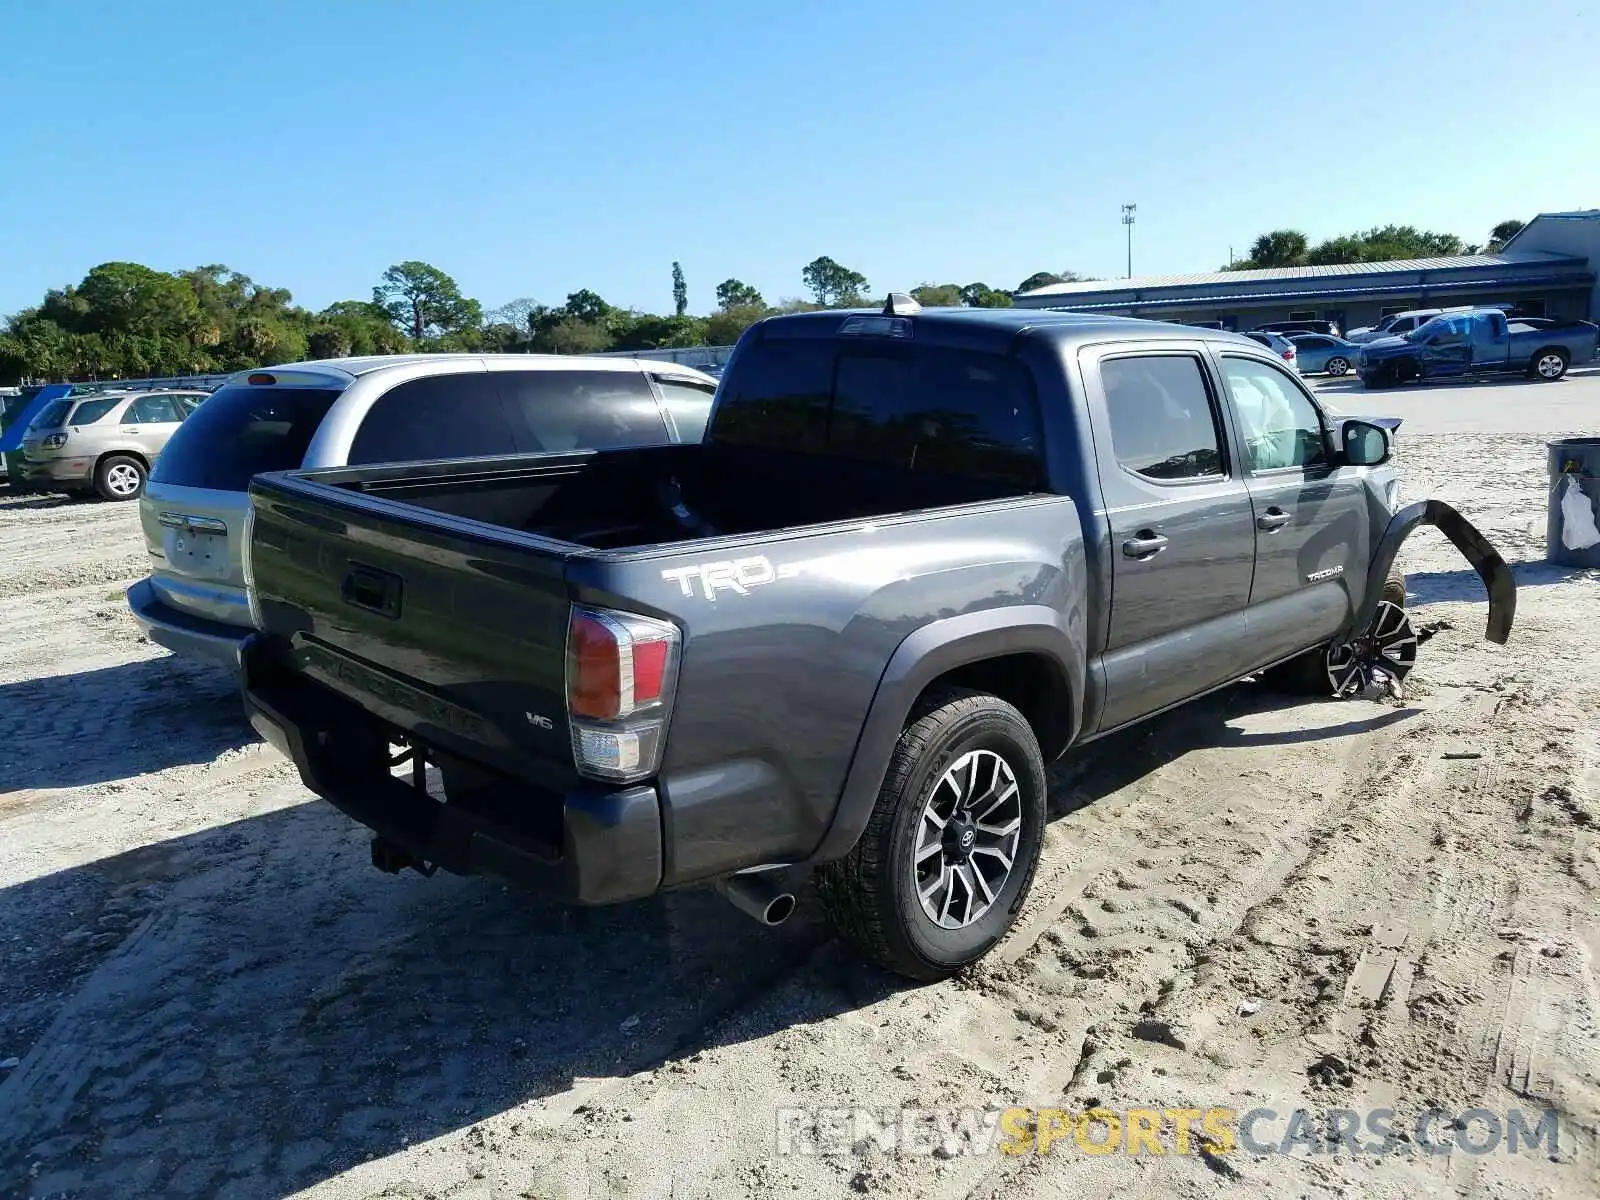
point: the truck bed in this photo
(661, 495)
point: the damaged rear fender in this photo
(1485, 559)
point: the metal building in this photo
(1549, 269)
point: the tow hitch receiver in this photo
(391, 858)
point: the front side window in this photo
(1163, 425)
(1280, 425)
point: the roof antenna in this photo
(900, 305)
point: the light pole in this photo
(1127, 219)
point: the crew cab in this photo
(917, 556)
(1477, 343)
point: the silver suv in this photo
(106, 443)
(353, 411)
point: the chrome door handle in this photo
(1273, 519)
(1144, 544)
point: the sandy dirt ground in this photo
(1253, 903)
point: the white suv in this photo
(353, 411)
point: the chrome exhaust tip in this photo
(758, 898)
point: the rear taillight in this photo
(52, 441)
(1289, 355)
(621, 670)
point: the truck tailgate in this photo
(437, 627)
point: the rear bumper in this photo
(64, 472)
(183, 633)
(593, 845)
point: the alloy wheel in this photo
(1550, 366)
(967, 839)
(122, 479)
(1381, 658)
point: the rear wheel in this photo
(1337, 365)
(949, 851)
(1549, 365)
(119, 477)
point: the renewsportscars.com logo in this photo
(1017, 1130)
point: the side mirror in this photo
(1365, 444)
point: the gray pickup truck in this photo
(917, 556)
(1481, 342)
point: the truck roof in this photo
(1003, 324)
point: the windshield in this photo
(52, 415)
(1425, 330)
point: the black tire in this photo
(1337, 365)
(1549, 365)
(1307, 674)
(120, 477)
(871, 894)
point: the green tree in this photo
(328, 341)
(938, 295)
(1280, 248)
(569, 335)
(735, 293)
(981, 295)
(832, 284)
(1041, 279)
(650, 332)
(680, 291)
(1503, 233)
(724, 326)
(425, 302)
(125, 297)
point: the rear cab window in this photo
(240, 431)
(919, 407)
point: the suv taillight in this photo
(1289, 354)
(54, 440)
(621, 672)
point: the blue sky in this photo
(534, 148)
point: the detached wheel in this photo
(1344, 670)
(1337, 365)
(1549, 365)
(119, 477)
(950, 849)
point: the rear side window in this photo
(951, 412)
(440, 416)
(1163, 425)
(688, 404)
(90, 411)
(240, 431)
(581, 410)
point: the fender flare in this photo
(925, 654)
(1497, 578)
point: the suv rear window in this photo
(918, 407)
(240, 431)
(51, 415)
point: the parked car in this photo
(105, 443)
(1317, 353)
(1290, 328)
(371, 410)
(1476, 343)
(917, 556)
(1401, 323)
(1277, 343)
